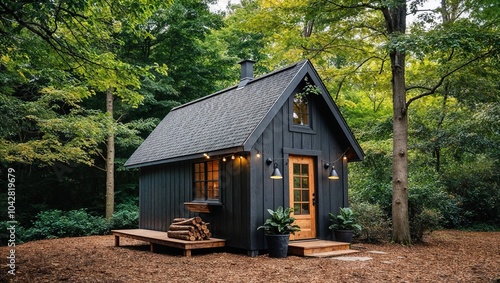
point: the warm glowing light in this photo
(224, 159)
(258, 154)
(276, 173)
(333, 174)
(232, 157)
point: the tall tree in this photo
(354, 41)
(80, 38)
(395, 20)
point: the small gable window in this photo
(300, 110)
(206, 180)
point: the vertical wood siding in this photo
(278, 142)
(165, 188)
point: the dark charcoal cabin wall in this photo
(163, 191)
(165, 188)
(278, 142)
(231, 220)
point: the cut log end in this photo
(190, 229)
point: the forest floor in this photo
(445, 256)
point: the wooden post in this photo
(117, 241)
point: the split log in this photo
(183, 233)
(175, 227)
(184, 221)
(190, 229)
(181, 237)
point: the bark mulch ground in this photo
(446, 256)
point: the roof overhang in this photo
(217, 153)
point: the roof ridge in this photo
(235, 86)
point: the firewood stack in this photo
(189, 229)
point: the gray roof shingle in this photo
(219, 121)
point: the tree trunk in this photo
(395, 18)
(110, 158)
(400, 217)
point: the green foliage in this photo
(280, 222)
(51, 224)
(424, 223)
(345, 220)
(125, 218)
(481, 227)
(375, 223)
(59, 224)
(126, 214)
(474, 184)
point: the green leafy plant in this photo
(126, 217)
(375, 223)
(424, 223)
(59, 224)
(344, 220)
(280, 222)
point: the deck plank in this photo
(161, 238)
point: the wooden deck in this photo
(161, 238)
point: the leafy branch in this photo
(433, 90)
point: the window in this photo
(206, 180)
(300, 110)
(301, 191)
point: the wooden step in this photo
(305, 248)
(332, 254)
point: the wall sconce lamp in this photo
(333, 174)
(276, 172)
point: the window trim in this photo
(308, 129)
(206, 180)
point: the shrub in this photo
(59, 224)
(430, 206)
(424, 223)
(125, 218)
(375, 223)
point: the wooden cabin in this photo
(214, 158)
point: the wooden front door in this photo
(302, 195)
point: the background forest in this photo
(82, 83)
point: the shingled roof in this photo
(229, 119)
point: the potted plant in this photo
(344, 225)
(278, 228)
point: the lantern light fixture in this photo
(276, 172)
(276, 175)
(333, 173)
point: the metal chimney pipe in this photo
(246, 72)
